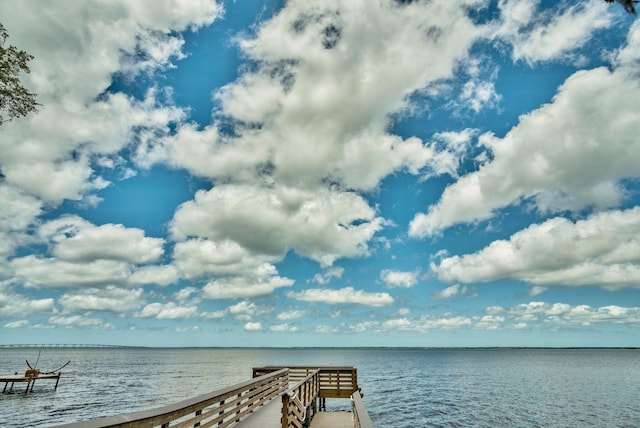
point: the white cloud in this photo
(48, 272)
(13, 305)
(76, 240)
(17, 324)
(204, 257)
(37, 272)
(562, 315)
(346, 295)
(602, 250)
(283, 328)
(566, 155)
(271, 192)
(78, 48)
(17, 212)
(489, 322)
(477, 95)
(110, 299)
(365, 326)
(161, 275)
(328, 274)
(81, 321)
(170, 310)
(537, 36)
(327, 329)
(185, 293)
(269, 221)
(86, 255)
(290, 315)
(246, 286)
(537, 290)
(447, 292)
(426, 323)
(246, 311)
(253, 326)
(395, 278)
(314, 126)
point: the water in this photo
(403, 387)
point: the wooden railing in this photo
(361, 417)
(221, 408)
(335, 382)
(313, 384)
(300, 401)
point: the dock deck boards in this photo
(332, 420)
(267, 416)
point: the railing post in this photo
(238, 405)
(198, 413)
(285, 411)
(221, 412)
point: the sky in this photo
(323, 173)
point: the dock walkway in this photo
(269, 416)
(276, 397)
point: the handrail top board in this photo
(184, 405)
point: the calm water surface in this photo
(403, 387)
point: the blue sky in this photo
(323, 173)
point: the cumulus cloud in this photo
(13, 304)
(283, 328)
(328, 274)
(110, 299)
(395, 278)
(313, 126)
(290, 315)
(567, 155)
(245, 310)
(86, 255)
(170, 310)
(161, 275)
(78, 49)
(426, 323)
(253, 326)
(322, 225)
(80, 321)
(17, 211)
(562, 314)
(347, 295)
(447, 292)
(264, 282)
(201, 257)
(537, 36)
(38, 272)
(602, 250)
(76, 240)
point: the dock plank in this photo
(267, 416)
(332, 420)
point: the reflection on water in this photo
(403, 387)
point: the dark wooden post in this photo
(285, 411)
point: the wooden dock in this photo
(29, 378)
(276, 397)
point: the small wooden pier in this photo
(29, 377)
(276, 397)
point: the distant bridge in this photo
(61, 345)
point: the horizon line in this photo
(112, 346)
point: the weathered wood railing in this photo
(332, 382)
(335, 382)
(221, 408)
(299, 401)
(361, 417)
